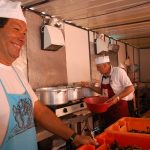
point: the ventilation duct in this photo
(100, 45)
(51, 38)
(113, 48)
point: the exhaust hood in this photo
(51, 38)
(101, 46)
(113, 48)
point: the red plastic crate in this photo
(126, 124)
(135, 140)
(86, 147)
(106, 139)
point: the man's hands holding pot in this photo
(113, 100)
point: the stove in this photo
(68, 108)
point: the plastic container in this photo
(97, 104)
(107, 139)
(128, 125)
(86, 147)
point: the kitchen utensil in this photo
(97, 104)
(93, 136)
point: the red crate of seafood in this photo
(115, 141)
(131, 125)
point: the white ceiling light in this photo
(43, 12)
(32, 8)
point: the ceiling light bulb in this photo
(32, 8)
(53, 16)
(43, 12)
(47, 17)
(68, 21)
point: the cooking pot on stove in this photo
(87, 92)
(74, 93)
(53, 95)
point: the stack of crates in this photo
(127, 132)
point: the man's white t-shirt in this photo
(119, 81)
(12, 85)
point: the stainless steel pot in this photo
(74, 93)
(53, 95)
(87, 92)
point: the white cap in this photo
(102, 60)
(9, 9)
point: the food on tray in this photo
(116, 146)
(137, 131)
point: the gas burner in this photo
(68, 108)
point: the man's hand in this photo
(82, 140)
(113, 100)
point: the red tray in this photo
(97, 104)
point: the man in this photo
(116, 85)
(19, 105)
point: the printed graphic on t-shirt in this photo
(22, 113)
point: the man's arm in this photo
(123, 94)
(48, 120)
(91, 86)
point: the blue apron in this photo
(21, 134)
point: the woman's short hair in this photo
(3, 21)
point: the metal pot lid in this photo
(78, 87)
(61, 90)
(45, 89)
(71, 88)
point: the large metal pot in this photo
(53, 95)
(87, 92)
(74, 93)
